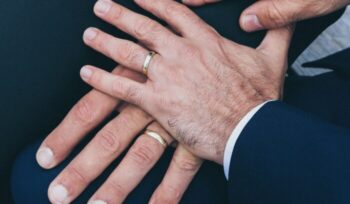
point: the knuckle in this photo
(133, 95)
(186, 164)
(118, 190)
(84, 112)
(116, 12)
(145, 28)
(118, 89)
(274, 15)
(170, 194)
(126, 121)
(179, 11)
(129, 53)
(109, 141)
(75, 173)
(142, 153)
(191, 52)
(175, 10)
(316, 7)
(101, 42)
(138, 115)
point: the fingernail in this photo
(45, 157)
(58, 194)
(97, 202)
(102, 6)
(251, 23)
(90, 34)
(85, 73)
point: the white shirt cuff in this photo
(234, 136)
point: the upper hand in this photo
(199, 84)
(267, 14)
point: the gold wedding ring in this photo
(147, 62)
(157, 137)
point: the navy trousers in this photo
(41, 53)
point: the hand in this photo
(267, 14)
(106, 146)
(199, 84)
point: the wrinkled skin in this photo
(269, 14)
(200, 84)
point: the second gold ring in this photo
(147, 62)
(157, 137)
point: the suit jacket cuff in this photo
(234, 136)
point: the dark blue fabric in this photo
(285, 155)
(41, 53)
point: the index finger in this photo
(90, 111)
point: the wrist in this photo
(234, 119)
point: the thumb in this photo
(267, 14)
(276, 44)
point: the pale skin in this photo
(268, 14)
(107, 145)
(88, 165)
(209, 90)
(183, 160)
(215, 76)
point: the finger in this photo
(179, 17)
(272, 14)
(182, 170)
(199, 2)
(90, 111)
(149, 32)
(98, 154)
(120, 87)
(141, 157)
(124, 52)
(276, 43)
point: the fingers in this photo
(276, 43)
(98, 154)
(92, 109)
(116, 86)
(182, 170)
(141, 157)
(146, 30)
(271, 14)
(124, 52)
(199, 2)
(178, 16)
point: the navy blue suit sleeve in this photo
(285, 155)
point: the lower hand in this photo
(199, 84)
(267, 14)
(106, 146)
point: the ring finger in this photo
(124, 52)
(141, 157)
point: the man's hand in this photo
(267, 14)
(199, 84)
(106, 146)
